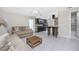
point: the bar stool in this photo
(49, 28)
(55, 31)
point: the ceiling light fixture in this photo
(35, 11)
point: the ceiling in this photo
(39, 12)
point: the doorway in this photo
(74, 24)
(32, 24)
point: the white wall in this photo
(64, 16)
(78, 24)
(64, 22)
(14, 19)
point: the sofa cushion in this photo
(22, 28)
(3, 40)
(4, 48)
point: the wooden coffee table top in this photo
(34, 39)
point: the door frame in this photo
(74, 13)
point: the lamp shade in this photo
(2, 22)
(1, 26)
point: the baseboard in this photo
(65, 37)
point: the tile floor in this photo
(50, 43)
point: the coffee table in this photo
(33, 41)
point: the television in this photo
(40, 21)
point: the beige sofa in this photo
(12, 43)
(22, 31)
(17, 44)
